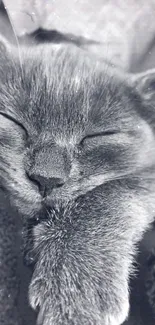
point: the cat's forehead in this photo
(62, 91)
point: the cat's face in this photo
(67, 125)
(75, 139)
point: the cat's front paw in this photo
(41, 298)
(45, 319)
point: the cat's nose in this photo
(46, 184)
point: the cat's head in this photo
(68, 124)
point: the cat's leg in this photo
(84, 258)
(84, 287)
(68, 299)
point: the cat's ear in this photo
(144, 83)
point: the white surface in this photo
(123, 26)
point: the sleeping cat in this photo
(77, 158)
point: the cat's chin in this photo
(70, 191)
(73, 189)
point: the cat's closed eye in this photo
(12, 130)
(98, 138)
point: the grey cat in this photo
(77, 158)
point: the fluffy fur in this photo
(77, 158)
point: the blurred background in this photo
(121, 32)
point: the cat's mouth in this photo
(71, 190)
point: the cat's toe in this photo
(36, 294)
(41, 317)
(118, 318)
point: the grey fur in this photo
(68, 118)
